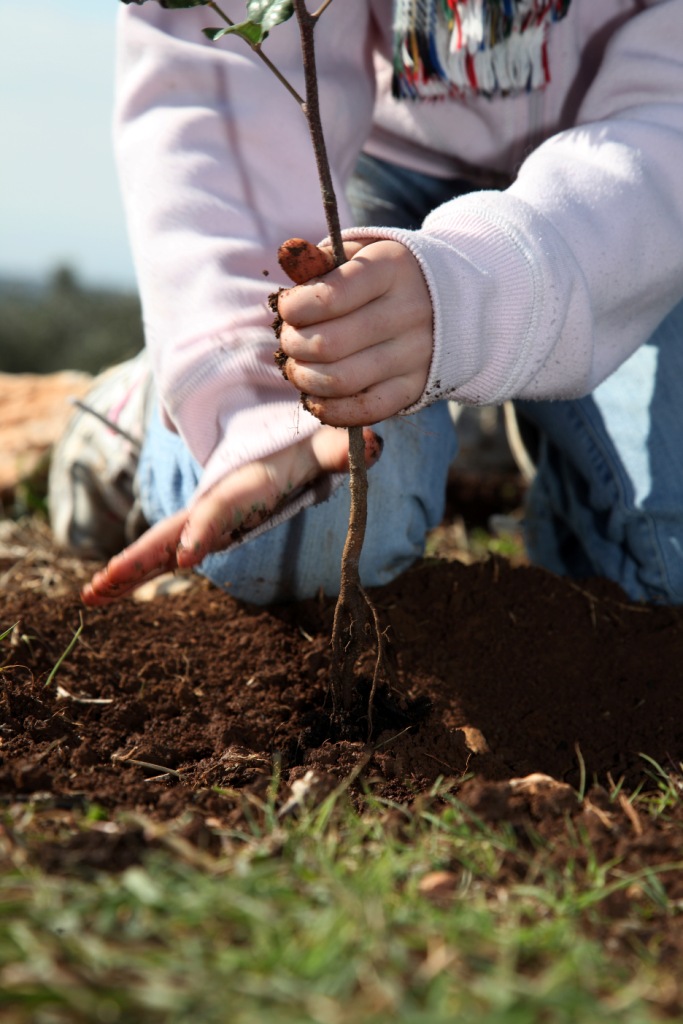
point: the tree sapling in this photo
(301, 260)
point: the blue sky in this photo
(59, 198)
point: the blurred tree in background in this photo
(65, 326)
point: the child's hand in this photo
(238, 503)
(246, 498)
(359, 339)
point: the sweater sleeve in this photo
(217, 170)
(543, 290)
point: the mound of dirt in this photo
(499, 671)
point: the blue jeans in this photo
(299, 558)
(608, 496)
(607, 499)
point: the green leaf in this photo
(247, 30)
(215, 33)
(172, 4)
(262, 15)
(269, 13)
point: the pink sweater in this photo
(539, 291)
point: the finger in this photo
(348, 287)
(302, 260)
(353, 374)
(103, 589)
(331, 340)
(386, 319)
(229, 510)
(97, 598)
(335, 458)
(245, 499)
(378, 403)
(148, 557)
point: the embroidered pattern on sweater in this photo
(459, 47)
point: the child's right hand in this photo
(238, 503)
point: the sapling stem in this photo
(351, 612)
(256, 47)
(307, 22)
(322, 8)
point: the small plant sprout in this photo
(69, 648)
(354, 613)
(6, 633)
(669, 785)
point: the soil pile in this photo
(498, 671)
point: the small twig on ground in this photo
(147, 764)
(66, 695)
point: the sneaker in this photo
(93, 499)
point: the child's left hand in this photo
(359, 339)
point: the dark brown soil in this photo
(550, 675)
(186, 703)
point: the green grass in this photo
(321, 919)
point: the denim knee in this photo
(302, 557)
(608, 497)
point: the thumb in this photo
(329, 447)
(302, 261)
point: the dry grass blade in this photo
(162, 769)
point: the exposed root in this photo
(355, 615)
